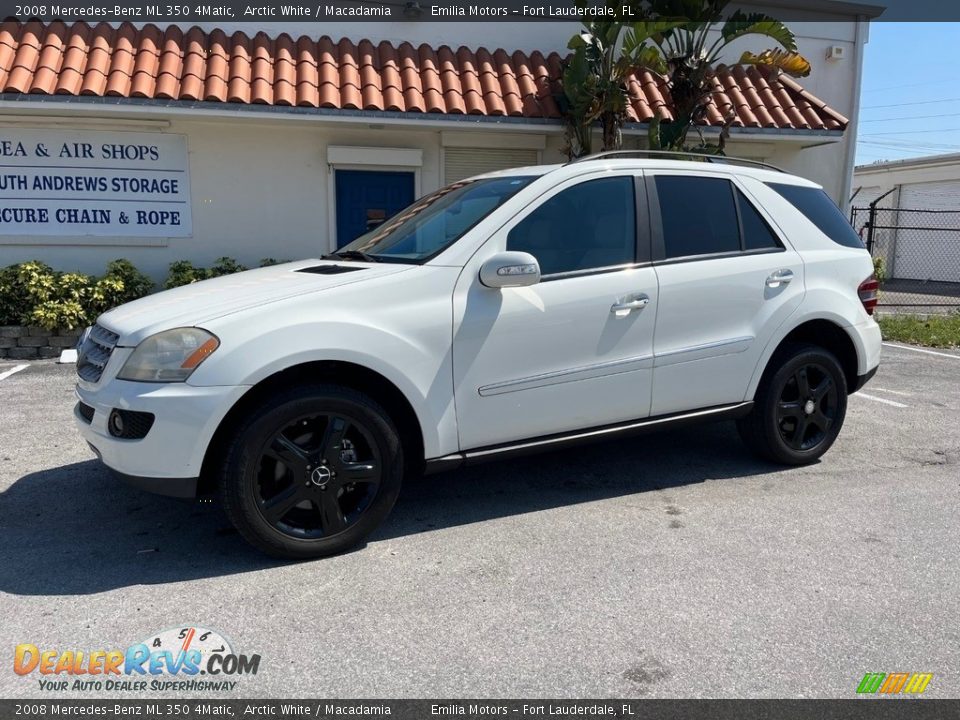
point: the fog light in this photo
(129, 424)
(116, 424)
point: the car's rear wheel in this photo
(312, 471)
(799, 406)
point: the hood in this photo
(192, 305)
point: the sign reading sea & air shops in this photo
(80, 183)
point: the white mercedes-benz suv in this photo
(509, 313)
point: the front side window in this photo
(588, 226)
(436, 221)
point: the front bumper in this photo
(169, 458)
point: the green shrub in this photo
(880, 268)
(267, 262)
(16, 299)
(183, 272)
(122, 284)
(32, 293)
(226, 266)
(59, 300)
(135, 284)
(54, 314)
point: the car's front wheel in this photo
(312, 471)
(799, 406)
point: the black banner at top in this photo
(186, 12)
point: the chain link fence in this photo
(918, 252)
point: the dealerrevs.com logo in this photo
(179, 659)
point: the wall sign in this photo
(83, 183)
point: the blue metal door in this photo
(365, 198)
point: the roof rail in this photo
(672, 154)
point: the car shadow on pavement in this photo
(75, 530)
(588, 473)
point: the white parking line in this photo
(15, 369)
(880, 400)
(919, 350)
(892, 392)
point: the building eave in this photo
(908, 163)
(21, 104)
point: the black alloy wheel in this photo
(311, 471)
(318, 475)
(799, 406)
(807, 407)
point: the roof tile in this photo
(153, 63)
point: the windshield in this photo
(436, 221)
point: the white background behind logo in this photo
(94, 183)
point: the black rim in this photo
(807, 407)
(317, 476)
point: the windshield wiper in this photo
(352, 255)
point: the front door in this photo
(559, 355)
(365, 198)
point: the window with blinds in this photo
(460, 163)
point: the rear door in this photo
(727, 280)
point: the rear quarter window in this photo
(819, 209)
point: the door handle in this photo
(625, 305)
(778, 278)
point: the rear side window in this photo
(819, 209)
(698, 216)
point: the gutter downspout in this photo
(850, 155)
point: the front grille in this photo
(86, 412)
(95, 352)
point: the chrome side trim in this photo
(553, 442)
(586, 372)
(698, 352)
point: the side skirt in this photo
(558, 441)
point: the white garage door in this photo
(928, 243)
(864, 197)
(460, 163)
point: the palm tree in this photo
(682, 40)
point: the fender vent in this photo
(329, 269)
(85, 411)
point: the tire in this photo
(799, 406)
(311, 472)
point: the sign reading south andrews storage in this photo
(94, 183)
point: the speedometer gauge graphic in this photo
(190, 637)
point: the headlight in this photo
(169, 356)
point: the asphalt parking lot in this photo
(672, 565)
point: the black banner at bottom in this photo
(899, 708)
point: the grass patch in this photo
(941, 331)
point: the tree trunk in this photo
(612, 137)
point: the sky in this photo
(910, 99)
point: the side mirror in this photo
(510, 269)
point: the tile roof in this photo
(151, 62)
